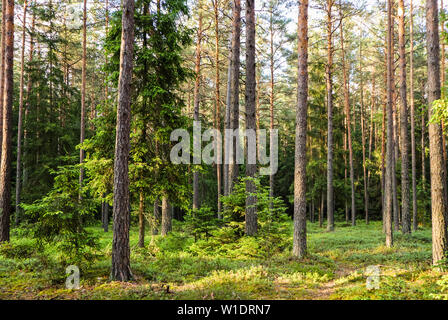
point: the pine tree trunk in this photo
(388, 200)
(234, 91)
(363, 138)
(406, 215)
(6, 158)
(121, 269)
(251, 168)
(166, 217)
(20, 121)
(349, 126)
(83, 94)
(411, 100)
(156, 218)
(2, 68)
(329, 87)
(438, 185)
(299, 239)
(197, 69)
(218, 109)
(271, 99)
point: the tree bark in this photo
(166, 217)
(83, 94)
(411, 100)
(349, 126)
(438, 185)
(197, 69)
(329, 87)
(141, 220)
(6, 159)
(121, 269)
(251, 168)
(20, 121)
(388, 201)
(299, 238)
(406, 215)
(234, 91)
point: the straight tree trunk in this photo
(218, 108)
(20, 121)
(329, 87)
(6, 158)
(83, 94)
(438, 185)
(156, 218)
(197, 69)
(406, 215)
(121, 269)
(388, 201)
(349, 126)
(271, 97)
(166, 217)
(299, 238)
(251, 168)
(141, 220)
(442, 79)
(363, 143)
(2, 68)
(411, 100)
(234, 91)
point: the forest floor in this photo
(336, 268)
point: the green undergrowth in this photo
(221, 267)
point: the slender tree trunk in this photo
(321, 210)
(141, 220)
(329, 85)
(155, 224)
(438, 185)
(349, 126)
(121, 269)
(388, 201)
(271, 97)
(2, 68)
(227, 126)
(251, 168)
(347, 214)
(83, 94)
(20, 121)
(406, 215)
(363, 137)
(299, 239)
(442, 79)
(166, 217)
(6, 159)
(218, 109)
(234, 91)
(196, 201)
(411, 100)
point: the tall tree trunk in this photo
(121, 269)
(349, 126)
(329, 86)
(442, 79)
(251, 168)
(197, 69)
(6, 159)
(2, 69)
(141, 220)
(388, 201)
(20, 121)
(406, 215)
(155, 224)
(438, 185)
(83, 94)
(166, 217)
(363, 137)
(383, 137)
(234, 91)
(411, 100)
(218, 109)
(271, 97)
(299, 239)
